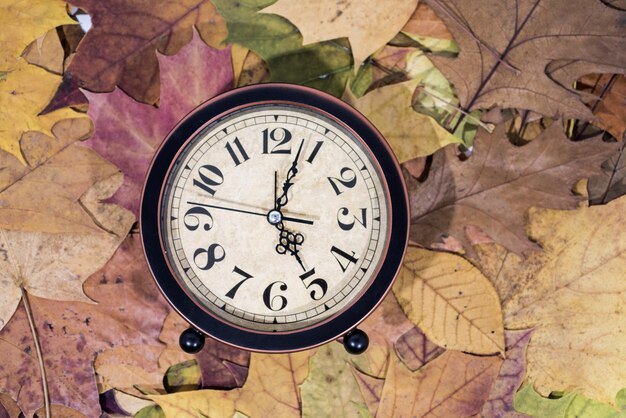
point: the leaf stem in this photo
(42, 368)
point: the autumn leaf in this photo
(495, 187)
(326, 66)
(566, 405)
(272, 389)
(410, 134)
(571, 293)
(508, 67)
(46, 52)
(611, 184)
(425, 25)
(120, 49)
(129, 312)
(128, 133)
(450, 301)
(384, 327)
(24, 91)
(329, 19)
(23, 22)
(414, 349)
(500, 401)
(452, 385)
(609, 94)
(330, 373)
(371, 390)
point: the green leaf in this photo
(326, 66)
(152, 411)
(564, 405)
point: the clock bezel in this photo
(262, 341)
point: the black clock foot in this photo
(356, 341)
(191, 340)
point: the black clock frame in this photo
(171, 288)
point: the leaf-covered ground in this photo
(508, 117)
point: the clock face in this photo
(275, 217)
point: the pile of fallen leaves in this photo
(508, 117)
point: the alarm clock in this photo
(274, 218)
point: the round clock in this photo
(274, 218)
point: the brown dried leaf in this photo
(494, 188)
(507, 45)
(609, 104)
(611, 184)
(120, 49)
(130, 311)
(414, 349)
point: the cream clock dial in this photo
(274, 218)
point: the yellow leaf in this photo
(24, 92)
(46, 52)
(368, 25)
(23, 21)
(238, 56)
(574, 293)
(271, 390)
(410, 134)
(450, 301)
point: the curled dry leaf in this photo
(507, 67)
(108, 56)
(330, 390)
(452, 385)
(450, 301)
(128, 133)
(23, 22)
(368, 25)
(494, 188)
(410, 134)
(573, 293)
(129, 312)
(272, 389)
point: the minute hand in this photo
(293, 170)
(285, 218)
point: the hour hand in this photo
(293, 170)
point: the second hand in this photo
(285, 218)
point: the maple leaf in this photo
(128, 133)
(450, 301)
(46, 52)
(324, 20)
(120, 49)
(371, 389)
(22, 22)
(452, 385)
(130, 311)
(500, 401)
(272, 389)
(495, 187)
(507, 46)
(24, 91)
(572, 293)
(325, 65)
